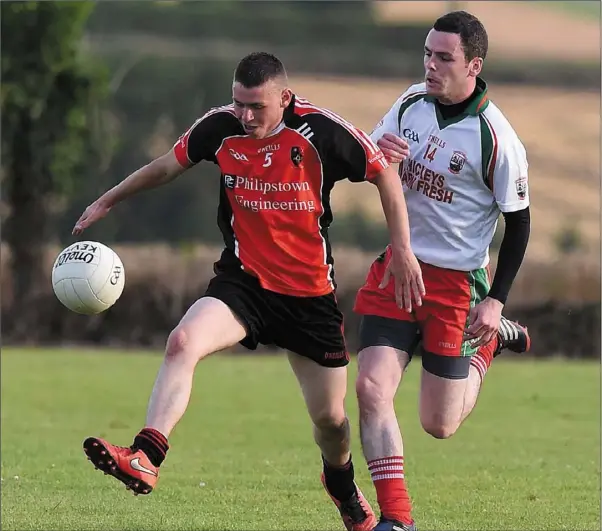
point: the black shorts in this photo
(309, 326)
(406, 336)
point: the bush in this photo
(560, 302)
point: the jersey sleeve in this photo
(360, 158)
(510, 175)
(204, 137)
(390, 122)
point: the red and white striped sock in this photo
(391, 492)
(481, 361)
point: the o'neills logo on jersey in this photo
(283, 201)
(336, 355)
(418, 177)
(269, 147)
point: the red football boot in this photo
(133, 468)
(356, 512)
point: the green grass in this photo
(528, 458)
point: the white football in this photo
(88, 277)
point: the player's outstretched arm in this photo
(403, 266)
(158, 172)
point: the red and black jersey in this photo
(274, 209)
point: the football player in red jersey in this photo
(279, 156)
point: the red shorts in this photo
(443, 316)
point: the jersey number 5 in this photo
(268, 160)
(430, 154)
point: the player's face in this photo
(449, 76)
(260, 109)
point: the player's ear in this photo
(286, 97)
(475, 66)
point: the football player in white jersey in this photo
(461, 164)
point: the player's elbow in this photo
(387, 181)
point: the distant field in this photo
(560, 129)
(519, 30)
(587, 9)
(243, 458)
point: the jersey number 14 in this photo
(430, 153)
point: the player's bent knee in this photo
(438, 428)
(177, 342)
(183, 346)
(442, 392)
(208, 326)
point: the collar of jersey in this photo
(276, 130)
(479, 102)
(287, 112)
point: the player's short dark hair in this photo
(257, 68)
(472, 32)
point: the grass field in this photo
(517, 30)
(589, 9)
(243, 457)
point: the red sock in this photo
(391, 492)
(484, 356)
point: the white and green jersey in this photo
(461, 173)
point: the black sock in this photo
(339, 480)
(153, 444)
